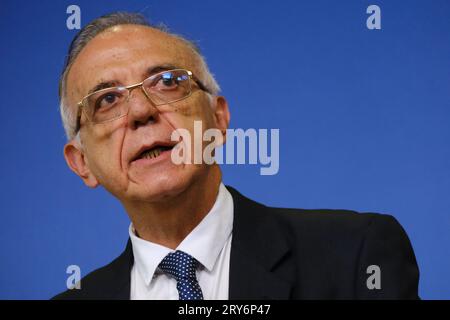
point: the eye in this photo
(107, 100)
(167, 81)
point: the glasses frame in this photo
(81, 103)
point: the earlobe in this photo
(222, 115)
(76, 161)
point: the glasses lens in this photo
(168, 86)
(107, 104)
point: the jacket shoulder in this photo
(354, 248)
(348, 220)
(335, 227)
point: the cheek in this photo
(105, 162)
(108, 132)
(106, 151)
(183, 114)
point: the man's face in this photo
(124, 55)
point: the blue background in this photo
(363, 118)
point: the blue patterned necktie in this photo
(182, 267)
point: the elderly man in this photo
(126, 87)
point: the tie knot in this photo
(179, 265)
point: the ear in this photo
(222, 115)
(76, 161)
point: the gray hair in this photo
(90, 31)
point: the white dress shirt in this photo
(209, 243)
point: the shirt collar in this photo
(204, 243)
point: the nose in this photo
(141, 109)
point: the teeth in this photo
(152, 153)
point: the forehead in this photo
(125, 53)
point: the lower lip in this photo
(163, 156)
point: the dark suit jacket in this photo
(294, 254)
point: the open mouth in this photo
(153, 152)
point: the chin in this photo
(161, 188)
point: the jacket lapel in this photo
(119, 278)
(258, 250)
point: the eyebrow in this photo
(150, 71)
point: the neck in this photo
(168, 222)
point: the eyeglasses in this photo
(161, 88)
